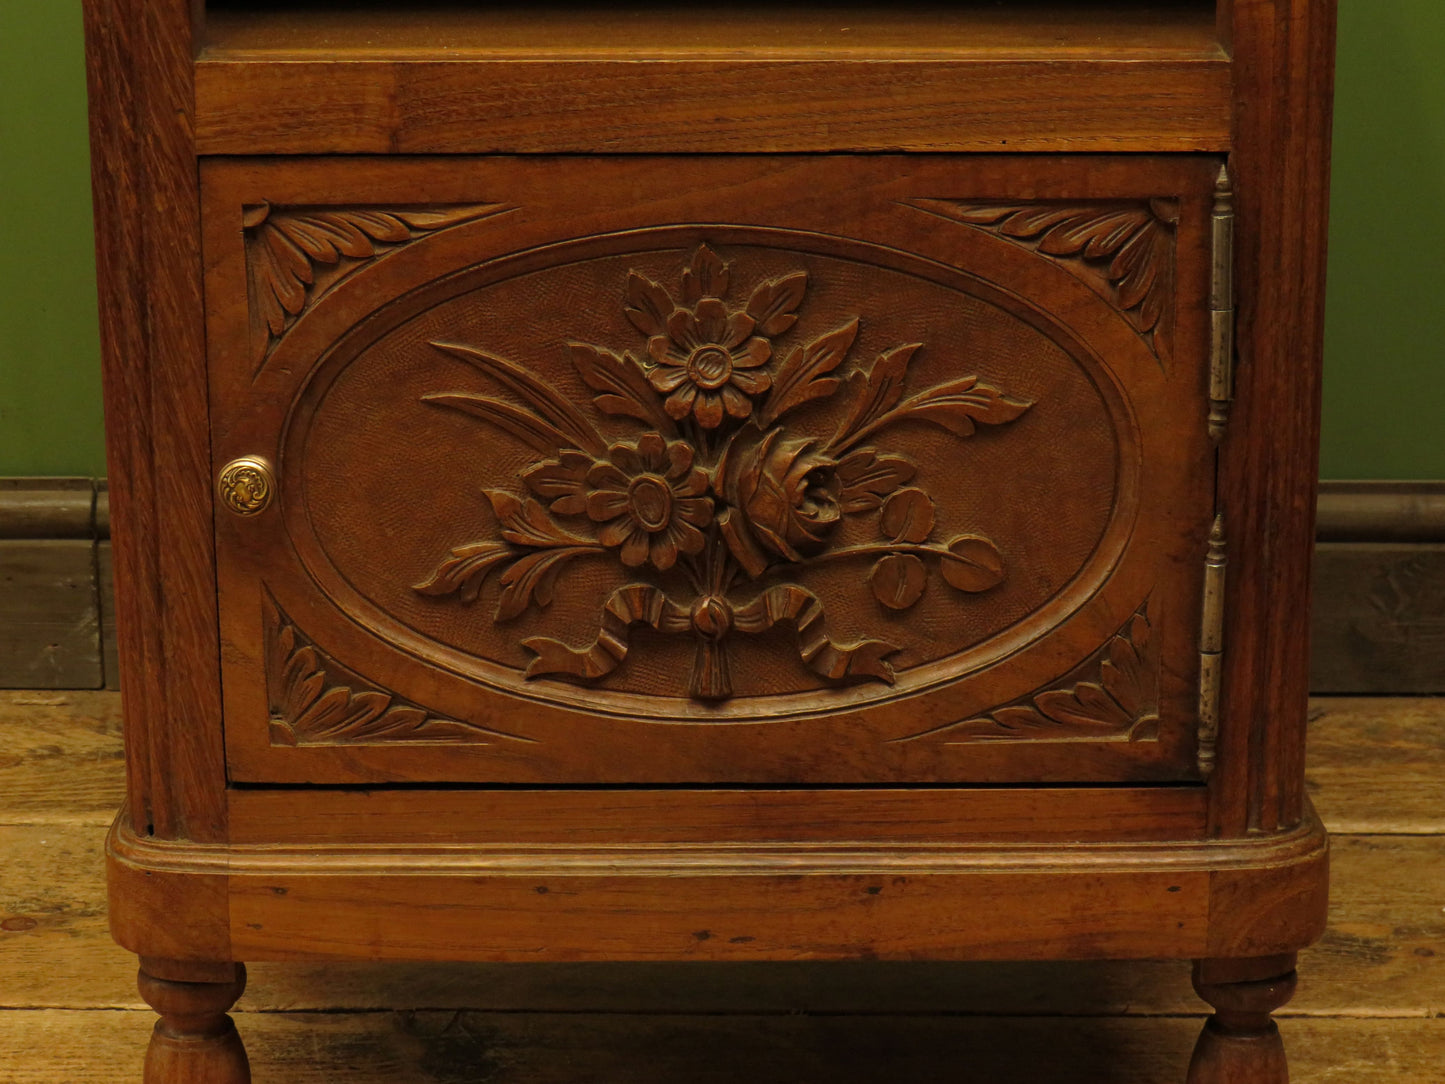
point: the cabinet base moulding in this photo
(826, 900)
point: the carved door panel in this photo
(719, 470)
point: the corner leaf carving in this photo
(752, 445)
(295, 254)
(315, 701)
(1116, 700)
(1124, 249)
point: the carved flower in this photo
(708, 363)
(650, 501)
(782, 496)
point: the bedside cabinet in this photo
(651, 484)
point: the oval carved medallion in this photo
(719, 465)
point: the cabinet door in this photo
(717, 470)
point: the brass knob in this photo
(246, 485)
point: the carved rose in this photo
(709, 362)
(649, 500)
(781, 495)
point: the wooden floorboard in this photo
(60, 757)
(1377, 764)
(1371, 1004)
(74, 1047)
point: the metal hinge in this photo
(1221, 306)
(1211, 647)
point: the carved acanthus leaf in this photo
(1124, 249)
(315, 701)
(1116, 699)
(295, 254)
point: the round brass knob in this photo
(246, 485)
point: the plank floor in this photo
(1371, 1004)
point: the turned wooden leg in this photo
(194, 1041)
(1240, 1044)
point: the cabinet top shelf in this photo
(556, 30)
(554, 76)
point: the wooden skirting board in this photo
(1378, 621)
(57, 626)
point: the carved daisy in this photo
(709, 363)
(650, 501)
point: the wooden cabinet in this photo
(733, 470)
(783, 475)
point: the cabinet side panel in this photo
(116, 176)
(149, 261)
(1284, 52)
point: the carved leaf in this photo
(773, 304)
(973, 564)
(898, 580)
(621, 386)
(314, 701)
(875, 392)
(649, 305)
(907, 516)
(803, 375)
(958, 405)
(706, 276)
(526, 523)
(1085, 705)
(508, 417)
(554, 410)
(1128, 246)
(1121, 706)
(1125, 673)
(465, 570)
(285, 246)
(530, 579)
(867, 478)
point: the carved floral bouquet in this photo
(716, 485)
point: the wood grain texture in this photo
(1117, 29)
(1283, 65)
(907, 816)
(386, 578)
(1378, 618)
(49, 620)
(1378, 956)
(61, 758)
(105, 595)
(1370, 1007)
(1371, 771)
(1378, 763)
(790, 901)
(1105, 77)
(426, 1047)
(194, 1040)
(139, 65)
(1240, 1043)
(568, 106)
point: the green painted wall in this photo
(1385, 381)
(1385, 323)
(49, 351)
